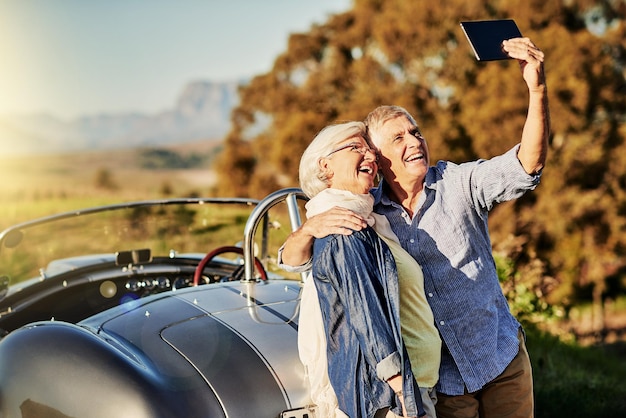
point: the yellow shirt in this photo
(419, 333)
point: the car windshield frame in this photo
(45, 247)
(138, 232)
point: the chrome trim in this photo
(290, 195)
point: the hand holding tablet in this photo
(486, 36)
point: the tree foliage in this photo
(159, 158)
(567, 239)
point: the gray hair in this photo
(312, 179)
(377, 118)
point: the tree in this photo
(569, 235)
(104, 179)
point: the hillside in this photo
(201, 111)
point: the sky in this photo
(71, 58)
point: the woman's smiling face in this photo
(351, 166)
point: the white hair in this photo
(312, 179)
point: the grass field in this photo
(575, 381)
(41, 185)
(570, 379)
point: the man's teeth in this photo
(414, 157)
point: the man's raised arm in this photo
(534, 144)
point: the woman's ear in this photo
(326, 173)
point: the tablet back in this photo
(486, 36)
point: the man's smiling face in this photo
(403, 150)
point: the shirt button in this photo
(412, 241)
(430, 295)
(442, 323)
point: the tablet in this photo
(486, 36)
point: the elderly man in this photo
(439, 213)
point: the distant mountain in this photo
(201, 112)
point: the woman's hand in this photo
(396, 384)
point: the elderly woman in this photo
(356, 281)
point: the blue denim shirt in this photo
(448, 236)
(357, 284)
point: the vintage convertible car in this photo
(167, 308)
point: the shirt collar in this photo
(381, 197)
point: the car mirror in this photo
(13, 238)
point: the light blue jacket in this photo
(356, 280)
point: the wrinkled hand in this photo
(297, 249)
(530, 59)
(334, 221)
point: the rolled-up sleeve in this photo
(389, 367)
(292, 269)
(497, 180)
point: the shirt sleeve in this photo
(292, 269)
(499, 179)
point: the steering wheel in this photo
(238, 271)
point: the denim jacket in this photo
(356, 280)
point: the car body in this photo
(137, 321)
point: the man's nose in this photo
(414, 140)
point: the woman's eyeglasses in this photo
(354, 147)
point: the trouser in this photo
(509, 395)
